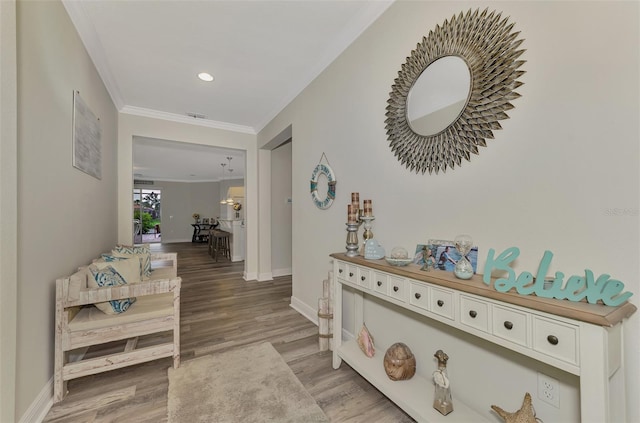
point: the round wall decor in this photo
(486, 44)
(323, 200)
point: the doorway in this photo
(147, 215)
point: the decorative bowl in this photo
(398, 261)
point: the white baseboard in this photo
(347, 336)
(39, 408)
(281, 272)
(249, 276)
(267, 276)
(305, 310)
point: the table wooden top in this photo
(598, 314)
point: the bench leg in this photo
(59, 385)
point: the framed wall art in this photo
(87, 147)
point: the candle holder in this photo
(352, 239)
(368, 234)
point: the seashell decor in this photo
(399, 362)
(526, 413)
(365, 341)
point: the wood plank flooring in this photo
(219, 311)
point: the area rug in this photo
(247, 384)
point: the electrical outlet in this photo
(549, 390)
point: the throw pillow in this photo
(130, 267)
(143, 249)
(115, 257)
(109, 276)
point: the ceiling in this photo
(260, 53)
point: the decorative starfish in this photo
(526, 413)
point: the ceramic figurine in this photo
(442, 400)
(526, 413)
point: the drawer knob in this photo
(508, 325)
(379, 283)
(417, 295)
(395, 289)
(350, 274)
(339, 270)
(440, 303)
(473, 314)
(362, 278)
(553, 340)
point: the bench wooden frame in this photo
(161, 294)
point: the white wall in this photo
(8, 208)
(132, 125)
(281, 210)
(65, 217)
(179, 201)
(553, 178)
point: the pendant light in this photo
(229, 199)
(222, 180)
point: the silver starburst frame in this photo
(489, 48)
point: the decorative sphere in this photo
(399, 362)
(399, 253)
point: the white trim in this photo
(91, 41)
(282, 272)
(249, 276)
(173, 117)
(266, 276)
(347, 336)
(304, 309)
(39, 408)
(349, 34)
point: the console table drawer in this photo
(442, 303)
(351, 273)
(342, 270)
(511, 325)
(419, 295)
(555, 339)
(474, 313)
(364, 277)
(398, 288)
(381, 283)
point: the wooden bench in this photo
(80, 325)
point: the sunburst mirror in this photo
(453, 90)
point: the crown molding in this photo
(352, 31)
(93, 46)
(173, 117)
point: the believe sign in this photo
(577, 287)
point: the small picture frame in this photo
(205, 220)
(444, 254)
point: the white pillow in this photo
(108, 276)
(131, 250)
(129, 268)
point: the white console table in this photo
(579, 338)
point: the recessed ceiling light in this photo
(205, 76)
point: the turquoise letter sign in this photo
(577, 288)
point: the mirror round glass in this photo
(438, 96)
(487, 53)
